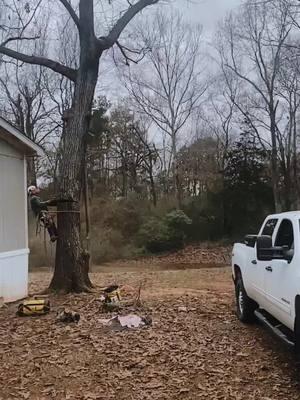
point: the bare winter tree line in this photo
(22, 24)
(259, 55)
(255, 82)
(182, 106)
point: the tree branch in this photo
(113, 36)
(71, 11)
(55, 66)
(16, 38)
(125, 50)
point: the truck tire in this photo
(244, 305)
(297, 329)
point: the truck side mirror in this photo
(250, 240)
(264, 248)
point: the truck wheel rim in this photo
(241, 301)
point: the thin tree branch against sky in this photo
(207, 13)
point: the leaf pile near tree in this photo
(197, 256)
(195, 348)
(215, 256)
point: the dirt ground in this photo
(195, 348)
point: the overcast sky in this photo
(207, 12)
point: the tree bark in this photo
(124, 180)
(72, 261)
(287, 192)
(274, 163)
(86, 205)
(176, 180)
(31, 172)
(152, 185)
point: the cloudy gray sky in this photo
(207, 12)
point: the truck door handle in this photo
(254, 262)
(269, 269)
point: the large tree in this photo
(71, 266)
(25, 101)
(251, 45)
(167, 85)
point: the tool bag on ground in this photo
(112, 294)
(34, 307)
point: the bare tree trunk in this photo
(152, 185)
(124, 180)
(86, 198)
(31, 172)
(72, 262)
(295, 174)
(164, 169)
(287, 191)
(176, 178)
(274, 164)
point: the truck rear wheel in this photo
(297, 329)
(244, 305)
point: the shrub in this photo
(177, 220)
(124, 215)
(169, 233)
(206, 213)
(153, 235)
(106, 245)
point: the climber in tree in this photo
(40, 210)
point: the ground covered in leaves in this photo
(206, 253)
(195, 348)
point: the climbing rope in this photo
(64, 212)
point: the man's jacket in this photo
(37, 205)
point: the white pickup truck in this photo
(266, 273)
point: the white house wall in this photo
(14, 275)
(12, 208)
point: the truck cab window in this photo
(285, 235)
(269, 227)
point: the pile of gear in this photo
(125, 318)
(122, 312)
(111, 298)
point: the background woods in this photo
(199, 143)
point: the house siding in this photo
(13, 235)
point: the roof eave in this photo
(27, 143)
